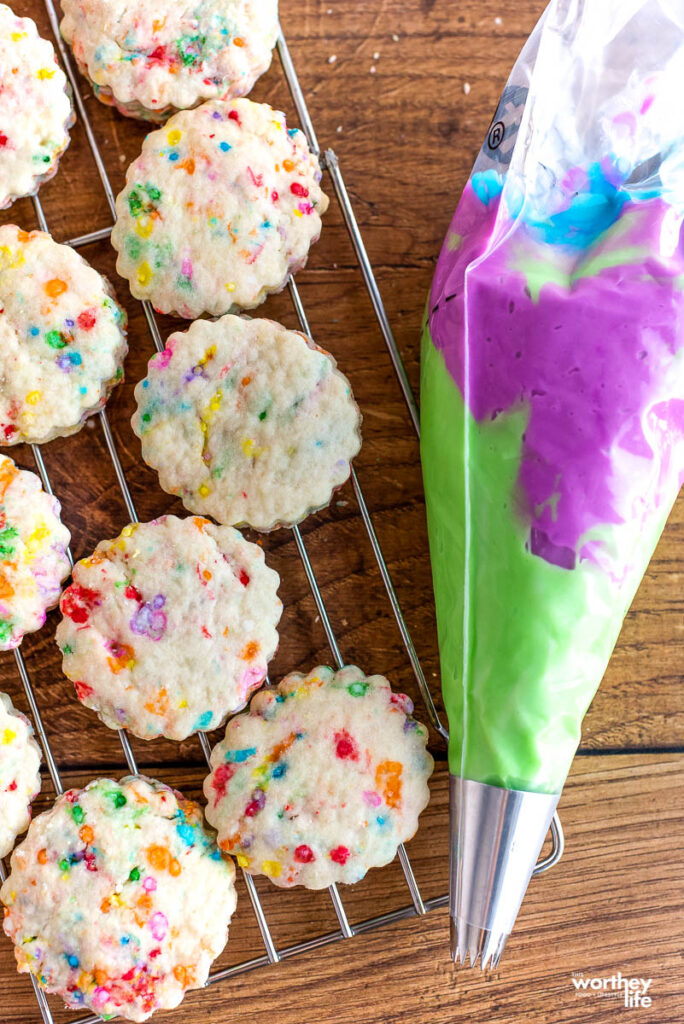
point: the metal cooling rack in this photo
(329, 162)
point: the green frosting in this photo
(523, 643)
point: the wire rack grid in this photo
(329, 163)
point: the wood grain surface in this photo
(404, 103)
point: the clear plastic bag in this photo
(552, 392)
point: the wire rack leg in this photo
(80, 105)
(318, 597)
(118, 468)
(396, 608)
(38, 723)
(297, 94)
(347, 930)
(271, 951)
(333, 167)
(382, 566)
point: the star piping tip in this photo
(472, 944)
(496, 838)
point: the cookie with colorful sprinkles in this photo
(33, 553)
(19, 773)
(169, 627)
(149, 58)
(62, 338)
(107, 898)
(35, 108)
(321, 779)
(219, 209)
(247, 422)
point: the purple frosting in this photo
(585, 341)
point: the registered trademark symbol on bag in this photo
(496, 135)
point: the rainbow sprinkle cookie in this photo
(170, 627)
(62, 338)
(320, 780)
(33, 560)
(19, 773)
(219, 208)
(35, 108)
(149, 58)
(247, 422)
(118, 899)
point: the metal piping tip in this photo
(496, 837)
(468, 942)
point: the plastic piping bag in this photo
(552, 415)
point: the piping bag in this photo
(552, 414)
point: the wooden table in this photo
(403, 90)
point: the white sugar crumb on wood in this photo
(339, 128)
(332, 58)
(498, 21)
(372, 69)
(466, 87)
(395, 37)
(376, 55)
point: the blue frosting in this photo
(487, 185)
(589, 213)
